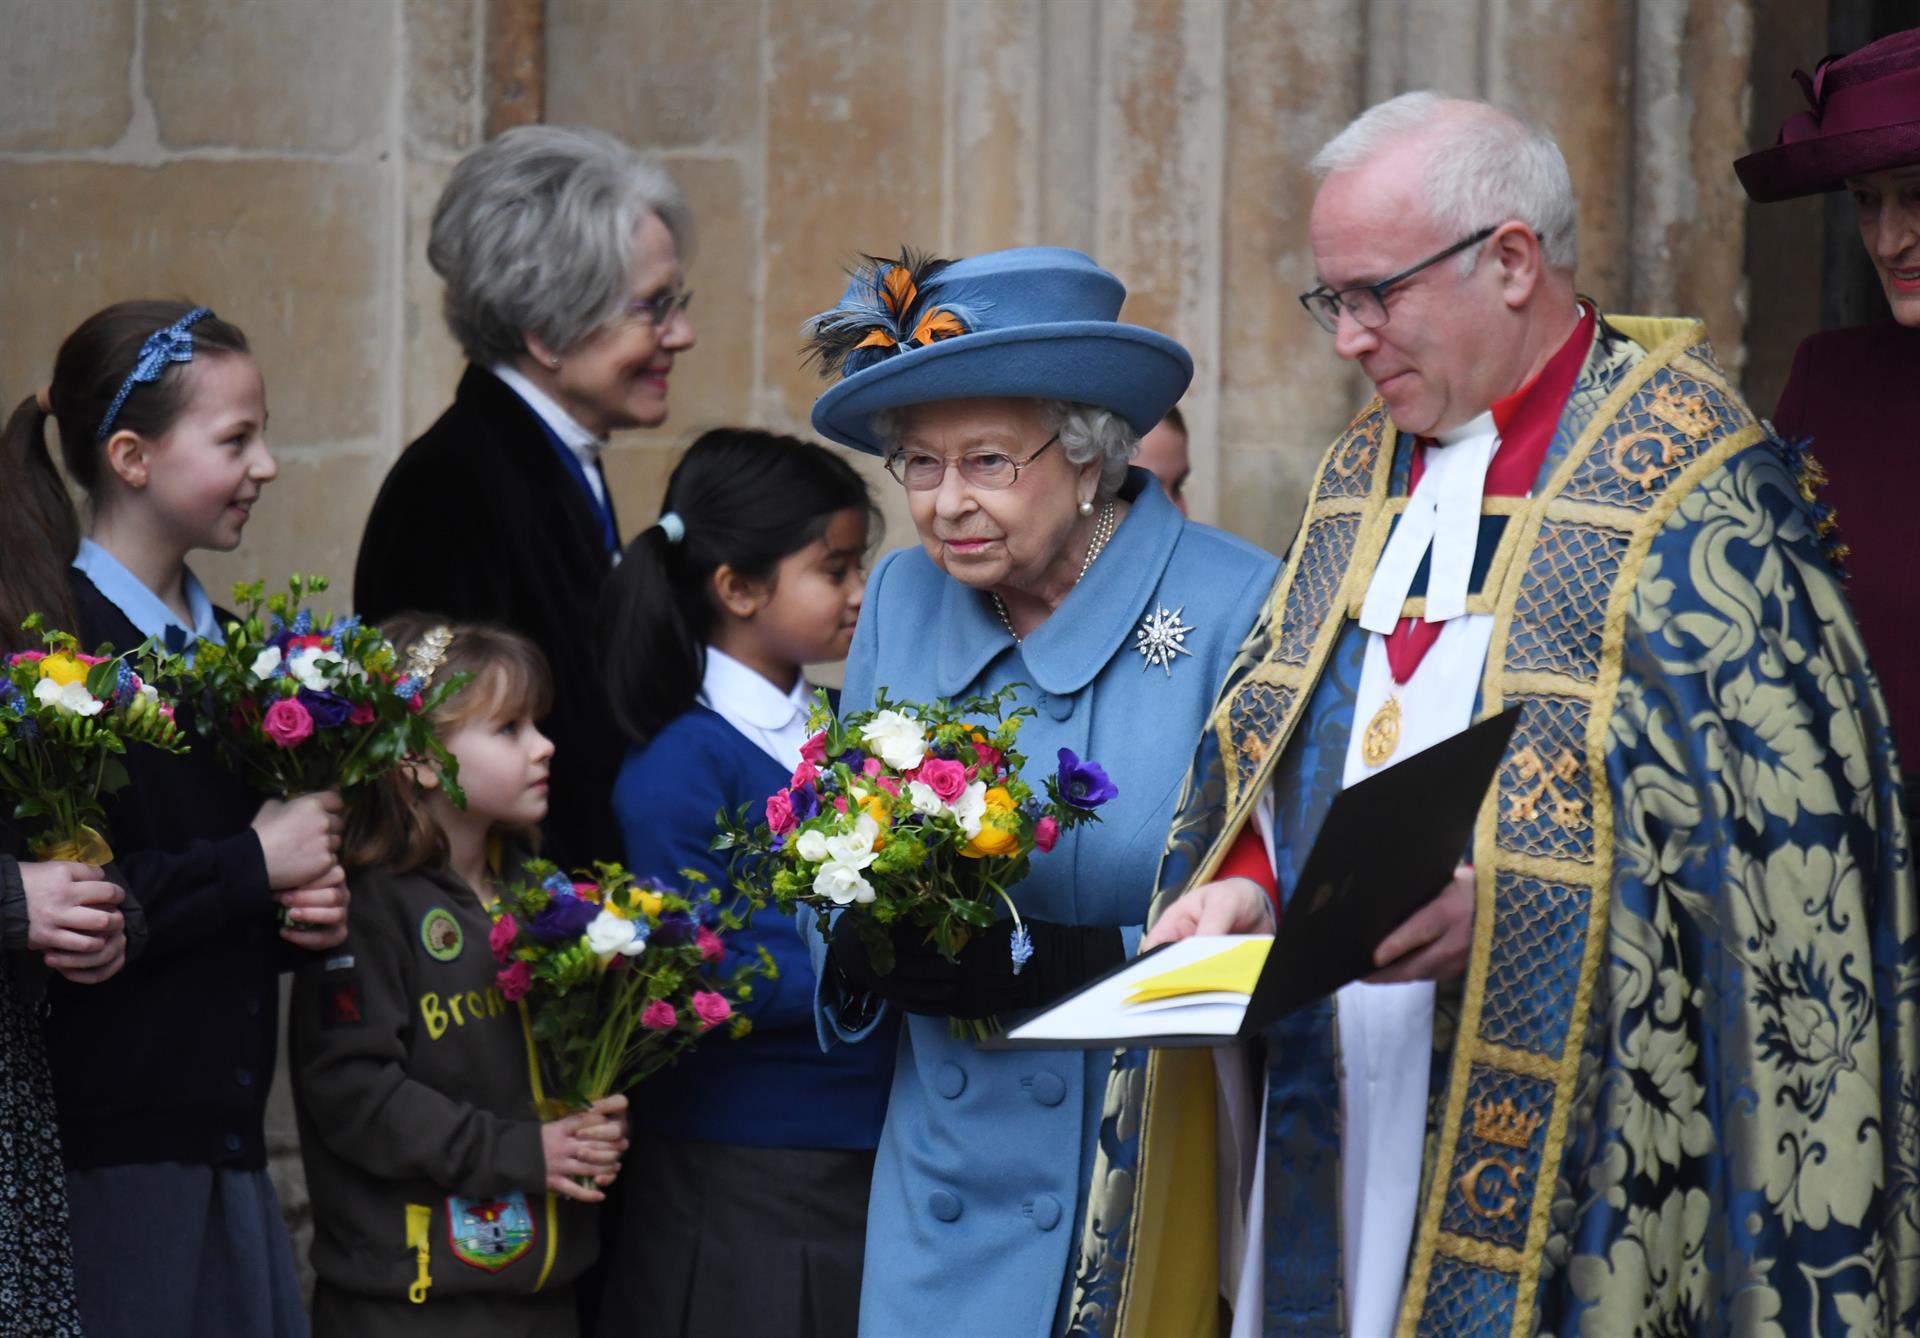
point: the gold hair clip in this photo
(428, 653)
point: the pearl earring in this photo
(1086, 506)
(553, 364)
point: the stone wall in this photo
(278, 159)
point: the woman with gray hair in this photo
(1007, 399)
(561, 249)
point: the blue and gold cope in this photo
(1678, 1090)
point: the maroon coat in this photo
(1856, 393)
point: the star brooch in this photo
(1160, 637)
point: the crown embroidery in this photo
(1505, 1124)
(1686, 414)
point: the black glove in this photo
(982, 983)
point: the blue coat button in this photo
(1045, 1211)
(946, 1207)
(1049, 1089)
(1056, 705)
(950, 1081)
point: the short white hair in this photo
(1086, 432)
(1484, 166)
(534, 236)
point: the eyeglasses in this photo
(1367, 303)
(657, 311)
(922, 471)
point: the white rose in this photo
(304, 664)
(842, 884)
(970, 807)
(896, 739)
(73, 698)
(855, 849)
(266, 662)
(608, 934)
(924, 800)
(811, 846)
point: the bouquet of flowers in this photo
(620, 974)
(300, 702)
(916, 815)
(65, 719)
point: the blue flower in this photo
(852, 759)
(1020, 947)
(805, 802)
(676, 929)
(328, 710)
(1084, 784)
(123, 689)
(565, 917)
(407, 686)
(558, 884)
(344, 629)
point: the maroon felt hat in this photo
(1864, 117)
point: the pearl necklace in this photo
(1102, 531)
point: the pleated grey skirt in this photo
(727, 1241)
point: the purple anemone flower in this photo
(1084, 784)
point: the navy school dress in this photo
(160, 1075)
(744, 1198)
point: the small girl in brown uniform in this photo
(442, 1203)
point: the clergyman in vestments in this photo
(1649, 1063)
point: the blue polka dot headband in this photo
(161, 350)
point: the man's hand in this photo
(1232, 906)
(1435, 941)
(318, 912)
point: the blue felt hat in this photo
(1039, 322)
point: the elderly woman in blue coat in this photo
(1007, 399)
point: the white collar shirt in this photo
(585, 446)
(774, 721)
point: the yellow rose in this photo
(999, 801)
(651, 903)
(63, 669)
(991, 841)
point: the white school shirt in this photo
(775, 722)
(1386, 1031)
(585, 446)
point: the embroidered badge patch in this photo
(440, 934)
(489, 1233)
(340, 1006)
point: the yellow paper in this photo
(1235, 971)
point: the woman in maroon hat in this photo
(1856, 392)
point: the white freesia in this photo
(266, 662)
(811, 846)
(73, 698)
(842, 884)
(924, 800)
(304, 665)
(608, 934)
(854, 849)
(970, 807)
(895, 738)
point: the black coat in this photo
(480, 521)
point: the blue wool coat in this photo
(983, 1164)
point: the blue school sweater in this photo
(773, 1087)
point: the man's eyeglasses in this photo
(657, 311)
(922, 471)
(1367, 303)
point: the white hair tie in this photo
(672, 526)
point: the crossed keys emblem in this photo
(1552, 786)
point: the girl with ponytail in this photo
(761, 1148)
(160, 1074)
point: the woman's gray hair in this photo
(534, 236)
(1086, 432)
(1483, 166)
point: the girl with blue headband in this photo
(160, 1074)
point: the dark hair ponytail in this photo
(41, 532)
(746, 499)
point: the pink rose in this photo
(780, 813)
(804, 774)
(891, 784)
(515, 981)
(711, 1008)
(989, 756)
(362, 714)
(415, 702)
(500, 938)
(711, 948)
(1045, 833)
(659, 1016)
(814, 750)
(946, 779)
(871, 768)
(287, 723)
(840, 803)
(27, 657)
